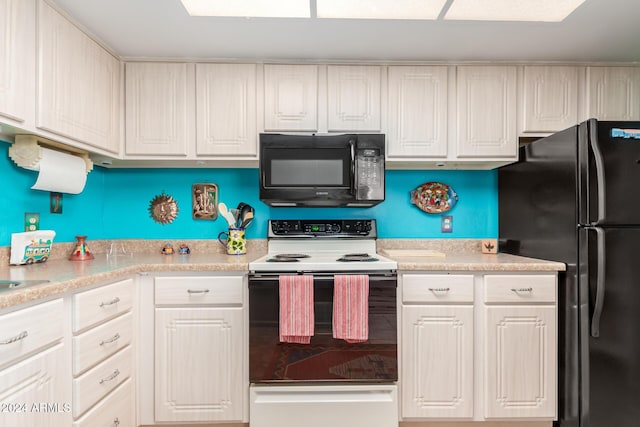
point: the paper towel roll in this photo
(61, 172)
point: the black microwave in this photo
(322, 170)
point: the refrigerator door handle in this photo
(600, 178)
(600, 284)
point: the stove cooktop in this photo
(322, 245)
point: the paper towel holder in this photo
(26, 152)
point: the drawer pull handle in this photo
(110, 377)
(113, 301)
(439, 289)
(519, 290)
(116, 422)
(110, 340)
(22, 335)
(198, 291)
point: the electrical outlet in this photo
(31, 221)
(446, 224)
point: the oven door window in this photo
(308, 167)
(325, 358)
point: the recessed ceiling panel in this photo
(379, 9)
(248, 8)
(512, 10)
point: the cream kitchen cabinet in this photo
(226, 110)
(613, 93)
(290, 97)
(417, 112)
(201, 368)
(486, 112)
(17, 61)
(103, 362)
(478, 347)
(354, 100)
(520, 346)
(34, 367)
(159, 109)
(78, 84)
(549, 98)
(437, 346)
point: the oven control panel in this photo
(323, 228)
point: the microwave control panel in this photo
(369, 174)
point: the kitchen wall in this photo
(115, 204)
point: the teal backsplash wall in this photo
(115, 204)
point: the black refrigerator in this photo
(574, 197)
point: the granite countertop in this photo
(65, 276)
(476, 262)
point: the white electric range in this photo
(328, 381)
(322, 246)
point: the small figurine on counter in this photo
(184, 249)
(167, 249)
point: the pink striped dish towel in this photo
(351, 307)
(296, 309)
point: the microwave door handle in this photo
(352, 146)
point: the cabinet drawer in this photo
(223, 290)
(437, 288)
(26, 330)
(101, 342)
(94, 306)
(115, 410)
(523, 289)
(93, 385)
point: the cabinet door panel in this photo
(198, 356)
(437, 349)
(520, 360)
(35, 390)
(78, 84)
(613, 93)
(550, 98)
(157, 109)
(417, 112)
(17, 59)
(353, 98)
(226, 109)
(487, 112)
(291, 97)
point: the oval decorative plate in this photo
(434, 197)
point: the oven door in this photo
(325, 358)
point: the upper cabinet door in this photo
(550, 98)
(291, 98)
(353, 98)
(486, 111)
(17, 59)
(613, 93)
(226, 109)
(159, 108)
(417, 112)
(78, 84)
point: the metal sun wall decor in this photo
(204, 201)
(163, 208)
(434, 197)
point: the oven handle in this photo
(317, 276)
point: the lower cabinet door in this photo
(520, 360)
(32, 392)
(198, 364)
(437, 362)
